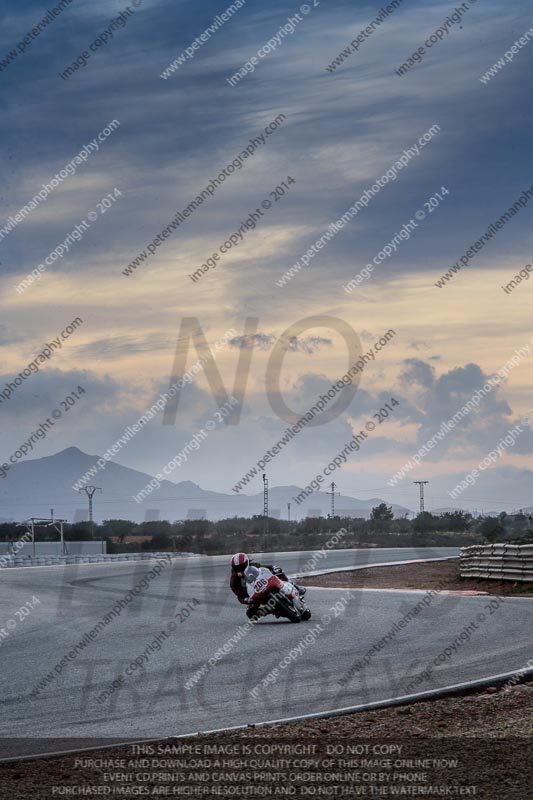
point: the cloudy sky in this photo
(341, 130)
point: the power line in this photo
(127, 499)
(265, 511)
(421, 484)
(90, 491)
(333, 493)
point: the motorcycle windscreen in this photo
(251, 574)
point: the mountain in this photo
(33, 487)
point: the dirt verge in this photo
(439, 575)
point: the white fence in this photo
(21, 548)
(499, 562)
(49, 560)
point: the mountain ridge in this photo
(34, 486)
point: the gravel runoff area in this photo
(474, 745)
(439, 575)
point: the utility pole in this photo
(332, 493)
(265, 512)
(90, 492)
(421, 484)
(289, 515)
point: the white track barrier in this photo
(41, 561)
(499, 562)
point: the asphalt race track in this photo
(152, 700)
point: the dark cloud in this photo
(8, 337)
(263, 341)
(124, 345)
(293, 344)
(439, 398)
(119, 83)
(43, 391)
(306, 344)
(417, 372)
(420, 345)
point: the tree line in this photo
(451, 529)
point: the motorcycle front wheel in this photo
(286, 609)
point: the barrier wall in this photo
(501, 562)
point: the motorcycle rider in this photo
(239, 563)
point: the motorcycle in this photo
(275, 596)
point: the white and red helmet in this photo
(239, 562)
